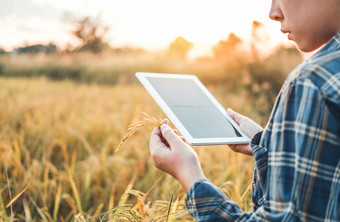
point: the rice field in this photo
(57, 159)
(63, 116)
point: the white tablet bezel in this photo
(142, 76)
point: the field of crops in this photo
(57, 142)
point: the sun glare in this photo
(150, 24)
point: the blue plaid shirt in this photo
(297, 160)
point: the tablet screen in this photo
(193, 108)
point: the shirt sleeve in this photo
(206, 202)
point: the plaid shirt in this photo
(297, 160)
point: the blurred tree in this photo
(259, 38)
(129, 50)
(179, 48)
(39, 48)
(226, 48)
(2, 51)
(91, 33)
(256, 26)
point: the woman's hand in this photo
(172, 155)
(248, 127)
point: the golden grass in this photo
(147, 120)
(59, 139)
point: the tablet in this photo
(194, 111)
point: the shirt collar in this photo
(331, 46)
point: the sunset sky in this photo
(150, 24)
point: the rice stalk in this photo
(125, 213)
(39, 210)
(10, 193)
(79, 218)
(172, 196)
(245, 192)
(86, 191)
(3, 214)
(76, 193)
(140, 205)
(57, 202)
(125, 195)
(112, 197)
(28, 216)
(147, 120)
(16, 197)
(173, 209)
(111, 203)
(84, 141)
(100, 207)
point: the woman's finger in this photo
(241, 148)
(234, 115)
(166, 121)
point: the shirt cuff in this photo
(206, 202)
(256, 139)
(193, 187)
(204, 188)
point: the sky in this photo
(150, 24)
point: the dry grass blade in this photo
(147, 120)
(75, 192)
(245, 192)
(172, 196)
(16, 197)
(57, 202)
(9, 191)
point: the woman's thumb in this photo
(169, 135)
(234, 115)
